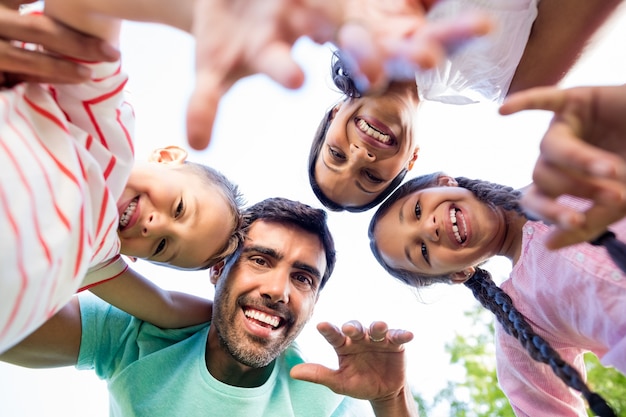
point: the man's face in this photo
(268, 295)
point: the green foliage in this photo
(608, 382)
(478, 395)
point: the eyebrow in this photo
(407, 249)
(276, 255)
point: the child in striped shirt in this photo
(71, 198)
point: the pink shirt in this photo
(66, 153)
(575, 298)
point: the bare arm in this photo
(558, 37)
(56, 343)
(141, 298)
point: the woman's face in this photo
(439, 231)
(369, 141)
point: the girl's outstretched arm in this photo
(140, 297)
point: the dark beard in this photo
(248, 357)
(250, 351)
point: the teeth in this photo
(372, 132)
(128, 213)
(263, 318)
(455, 227)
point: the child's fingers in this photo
(202, 109)
(275, 61)
(539, 98)
(597, 220)
(541, 207)
(562, 148)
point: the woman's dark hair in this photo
(343, 81)
(484, 289)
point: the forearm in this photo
(56, 343)
(181, 310)
(561, 32)
(138, 296)
(402, 405)
(103, 18)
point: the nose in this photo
(430, 229)
(154, 224)
(361, 152)
(276, 287)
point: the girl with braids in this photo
(366, 143)
(557, 304)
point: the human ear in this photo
(334, 111)
(446, 181)
(168, 155)
(216, 271)
(462, 276)
(413, 158)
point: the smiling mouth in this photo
(263, 319)
(373, 133)
(459, 227)
(128, 213)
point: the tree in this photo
(478, 395)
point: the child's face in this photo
(170, 215)
(439, 231)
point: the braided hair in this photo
(484, 288)
(494, 299)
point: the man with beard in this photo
(244, 362)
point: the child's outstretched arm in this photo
(237, 38)
(583, 153)
(143, 299)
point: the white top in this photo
(483, 69)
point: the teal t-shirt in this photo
(152, 372)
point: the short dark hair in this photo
(285, 211)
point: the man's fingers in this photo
(332, 334)
(399, 336)
(312, 372)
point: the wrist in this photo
(401, 404)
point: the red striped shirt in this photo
(66, 153)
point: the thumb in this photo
(202, 110)
(315, 373)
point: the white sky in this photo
(261, 142)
